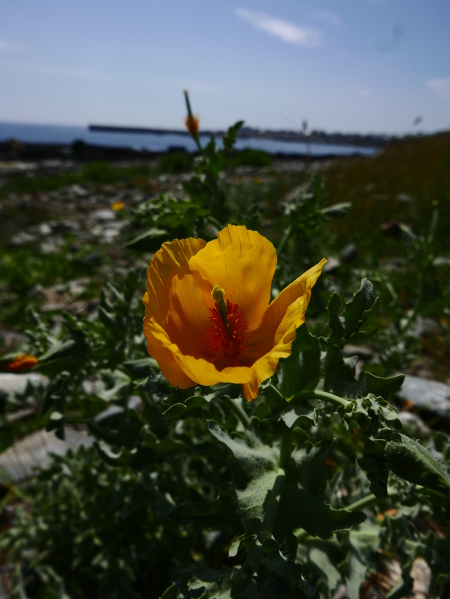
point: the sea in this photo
(59, 134)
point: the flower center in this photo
(225, 336)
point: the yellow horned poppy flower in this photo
(118, 206)
(20, 363)
(208, 318)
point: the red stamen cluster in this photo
(226, 341)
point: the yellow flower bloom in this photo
(118, 206)
(208, 318)
(192, 124)
(20, 363)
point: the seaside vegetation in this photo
(316, 484)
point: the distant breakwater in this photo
(44, 141)
(341, 139)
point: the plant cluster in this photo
(197, 493)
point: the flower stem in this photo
(238, 410)
(325, 396)
(190, 115)
(284, 239)
(286, 448)
(272, 505)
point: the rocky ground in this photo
(58, 247)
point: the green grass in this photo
(95, 173)
(23, 268)
(176, 162)
(418, 168)
(249, 157)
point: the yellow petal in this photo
(241, 262)
(265, 367)
(170, 266)
(274, 338)
(187, 318)
(173, 258)
(298, 288)
(169, 367)
(198, 369)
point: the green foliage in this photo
(95, 525)
(95, 173)
(243, 475)
(196, 493)
(166, 213)
(249, 157)
(175, 162)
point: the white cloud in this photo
(440, 86)
(327, 16)
(289, 32)
(5, 46)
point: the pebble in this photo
(103, 215)
(11, 383)
(362, 351)
(19, 461)
(425, 326)
(331, 266)
(349, 253)
(426, 394)
(77, 190)
(414, 425)
(22, 238)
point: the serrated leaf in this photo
(363, 306)
(302, 503)
(235, 545)
(216, 584)
(337, 210)
(141, 368)
(335, 322)
(148, 240)
(323, 557)
(220, 513)
(61, 350)
(112, 457)
(156, 383)
(338, 377)
(255, 554)
(192, 406)
(119, 385)
(221, 390)
(302, 369)
(171, 592)
(298, 414)
(161, 503)
(413, 462)
(363, 544)
(280, 564)
(377, 473)
(253, 466)
(18, 590)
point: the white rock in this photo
(427, 394)
(16, 383)
(103, 215)
(19, 461)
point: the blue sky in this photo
(344, 65)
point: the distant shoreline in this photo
(12, 150)
(316, 137)
(110, 142)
